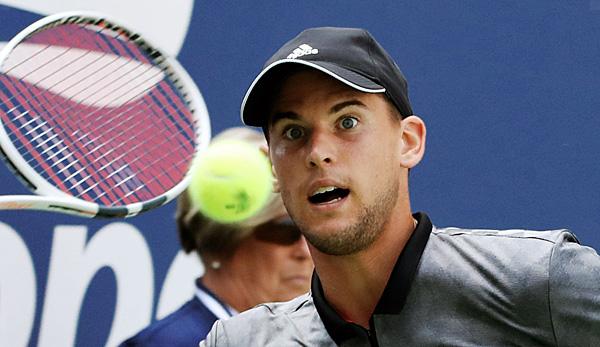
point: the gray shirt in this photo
(469, 288)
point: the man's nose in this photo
(321, 149)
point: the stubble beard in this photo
(358, 236)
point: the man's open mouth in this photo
(329, 194)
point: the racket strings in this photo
(164, 172)
(88, 116)
(92, 140)
(61, 91)
(79, 169)
(74, 105)
(81, 80)
(117, 172)
(56, 57)
(29, 57)
(138, 144)
(124, 143)
(122, 94)
(133, 97)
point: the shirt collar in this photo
(395, 293)
(219, 308)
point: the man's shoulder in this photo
(297, 309)
(516, 255)
(295, 322)
(508, 235)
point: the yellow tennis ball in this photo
(231, 181)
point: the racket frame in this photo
(50, 198)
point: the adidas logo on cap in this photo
(303, 49)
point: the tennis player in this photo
(342, 139)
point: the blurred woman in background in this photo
(261, 259)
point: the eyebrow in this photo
(278, 116)
(342, 105)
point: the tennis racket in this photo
(95, 120)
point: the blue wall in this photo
(510, 91)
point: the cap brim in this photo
(251, 112)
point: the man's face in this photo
(335, 152)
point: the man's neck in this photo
(354, 284)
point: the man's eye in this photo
(294, 133)
(348, 123)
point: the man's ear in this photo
(413, 141)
